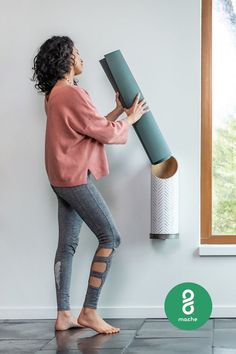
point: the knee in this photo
(110, 239)
(70, 248)
(117, 239)
(73, 247)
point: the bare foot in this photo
(90, 318)
(65, 320)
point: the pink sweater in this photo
(75, 137)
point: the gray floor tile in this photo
(170, 346)
(136, 336)
(222, 323)
(21, 346)
(225, 338)
(225, 334)
(88, 339)
(125, 323)
(224, 351)
(164, 328)
(27, 330)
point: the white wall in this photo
(160, 40)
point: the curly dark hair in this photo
(52, 62)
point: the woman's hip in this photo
(89, 203)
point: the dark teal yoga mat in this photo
(122, 80)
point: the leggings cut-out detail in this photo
(99, 267)
(101, 250)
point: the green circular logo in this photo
(188, 306)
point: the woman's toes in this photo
(115, 329)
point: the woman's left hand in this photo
(119, 106)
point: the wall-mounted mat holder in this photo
(164, 167)
(165, 200)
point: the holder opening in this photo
(165, 169)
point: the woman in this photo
(74, 148)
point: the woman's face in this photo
(78, 62)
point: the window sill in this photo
(217, 250)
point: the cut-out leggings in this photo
(77, 204)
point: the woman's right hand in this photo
(136, 111)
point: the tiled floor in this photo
(142, 336)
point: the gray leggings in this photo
(75, 205)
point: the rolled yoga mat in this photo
(146, 128)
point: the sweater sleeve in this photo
(85, 119)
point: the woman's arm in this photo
(83, 117)
(119, 109)
(113, 115)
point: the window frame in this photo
(206, 132)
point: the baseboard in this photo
(19, 313)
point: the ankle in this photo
(64, 313)
(88, 310)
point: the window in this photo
(218, 122)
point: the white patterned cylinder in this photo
(165, 200)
